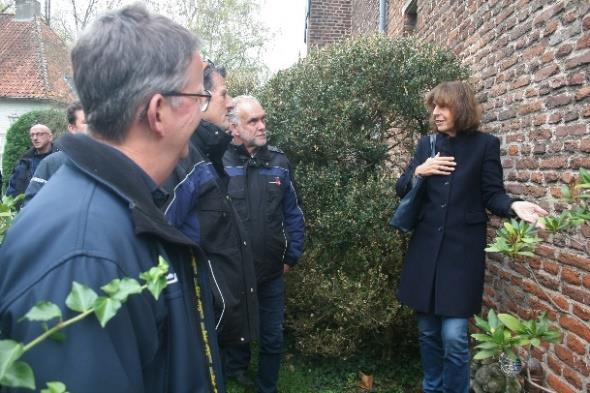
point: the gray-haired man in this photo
(139, 78)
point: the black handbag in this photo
(405, 216)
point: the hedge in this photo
(333, 114)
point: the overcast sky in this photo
(287, 19)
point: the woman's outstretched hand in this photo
(529, 211)
(436, 165)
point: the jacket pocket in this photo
(476, 217)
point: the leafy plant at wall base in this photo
(502, 333)
(84, 300)
(515, 238)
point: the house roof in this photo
(34, 61)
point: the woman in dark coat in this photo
(443, 273)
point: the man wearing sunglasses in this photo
(202, 210)
(139, 77)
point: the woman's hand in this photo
(436, 165)
(528, 211)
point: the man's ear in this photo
(154, 113)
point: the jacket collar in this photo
(262, 155)
(122, 176)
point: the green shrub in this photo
(17, 136)
(333, 114)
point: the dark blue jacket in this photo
(444, 267)
(96, 220)
(202, 210)
(24, 170)
(262, 191)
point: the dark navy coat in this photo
(94, 221)
(444, 267)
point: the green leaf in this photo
(482, 323)
(10, 352)
(487, 345)
(105, 309)
(81, 298)
(43, 311)
(121, 289)
(19, 375)
(535, 342)
(492, 319)
(55, 387)
(481, 337)
(480, 355)
(511, 322)
(155, 278)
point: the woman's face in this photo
(444, 120)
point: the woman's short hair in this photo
(458, 97)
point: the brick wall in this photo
(530, 61)
(531, 67)
(329, 21)
(365, 17)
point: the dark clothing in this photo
(443, 273)
(46, 168)
(111, 229)
(202, 210)
(271, 298)
(212, 142)
(261, 188)
(24, 170)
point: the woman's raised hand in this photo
(436, 165)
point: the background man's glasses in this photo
(205, 97)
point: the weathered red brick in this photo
(582, 312)
(571, 276)
(559, 385)
(553, 163)
(546, 72)
(573, 378)
(577, 61)
(557, 101)
(583, 42)
(554, 364)
(575, 129)
(575, 344)
(582, 93)
(578, 261)
(575, 326)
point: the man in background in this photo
(50, 164)
(261, 188)
(42, 141)
(202, 210)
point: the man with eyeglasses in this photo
(50, 165)
(42, 141)
(202, 210)
(139, 77)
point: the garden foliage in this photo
(333, 114)
(18, 140)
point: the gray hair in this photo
(122, 60)
(239, 101)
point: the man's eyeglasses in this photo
(205, 97)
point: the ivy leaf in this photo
(81, 298)
(106, 308)
(155, 278)
(55, 387)
(10, 351)
(19, 375)
(121, 289)
(43, 311)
